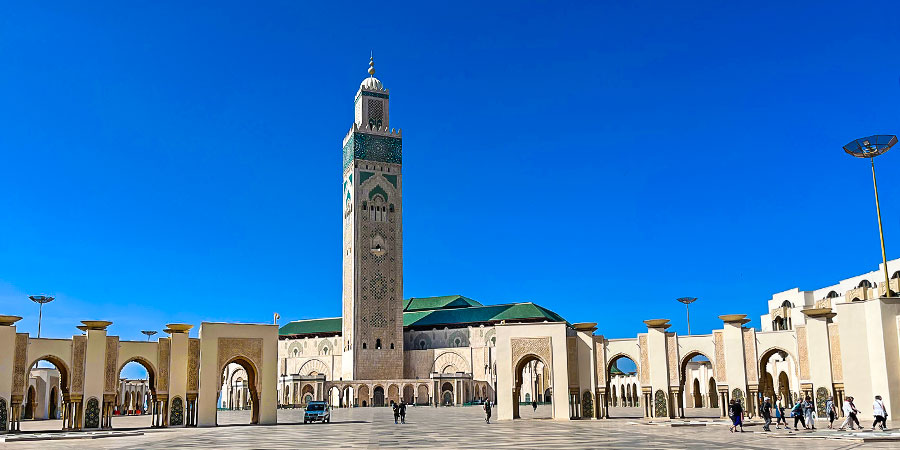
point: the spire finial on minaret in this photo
(371, 64)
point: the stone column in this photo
(657, 359)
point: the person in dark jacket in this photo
(736, 412)
(396, 412)
(766, 413)
(402, 412)
(534, 405)
(487, 411)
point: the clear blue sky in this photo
(166, 162)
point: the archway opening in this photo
(423, 398)
(447, 394)
(409, 394)
(532, 379)
(46, 390)
(334, 397)
(240, 379)
(378, 396)
(136, 404)
(696, 397)
(776, 364)
(622, 388)
(363, 396)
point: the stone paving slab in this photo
(451, 428)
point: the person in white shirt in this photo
(848, 415)
(880, 413)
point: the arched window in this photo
(457, 342)
(392, 345)
(364, 345)
(422, 344)
(896, 275)
(786, 304)
(832, 294)
(377, 344)
(855, 299)
(324, 350)
(296, 352)
(865, 284)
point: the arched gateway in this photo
(181, 371)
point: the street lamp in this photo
(687, 301)
(149, 333)
(870, 147)
(40, 299)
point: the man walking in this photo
(487, 411)
(402, 412)
(766, 412)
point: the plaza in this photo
(448, 427)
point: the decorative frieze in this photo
(79, 350)
(749, 336)
(837, 367)
(672, 358)
(110, 370)
(20, 366)
(719, 342)
(247, 348)
(539, 347)
(645, 360)
(803, 352)
(193, 365)
(163, 353)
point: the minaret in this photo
(373, 240)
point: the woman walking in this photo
(809, 411)
(849, 414)
(831, 411)
(779, 415)
(880, 413)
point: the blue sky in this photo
(165, 162)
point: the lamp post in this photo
(40, 299)
(149, 333)
(687, 301)
(870, 147)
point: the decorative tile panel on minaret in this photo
(373, 240)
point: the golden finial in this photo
(371, 65)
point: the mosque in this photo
(452, 350)
(444, 350)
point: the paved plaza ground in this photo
(429, 427)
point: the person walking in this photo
(880, 413)
(797, 414)
(809, 412)
(534, 405)
(402, 412)
(779, 414)
(848, 414)
(832, 412)
(736, 412)
(766, 413)
(855, 414)
(396, 412)
(487, 411)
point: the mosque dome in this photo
(371, 82)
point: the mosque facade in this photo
(842, 340)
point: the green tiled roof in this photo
(312, 326)
(479, 314)
(615, 370)
(447, 301)
(449, 310)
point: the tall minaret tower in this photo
(373, 240)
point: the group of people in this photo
(399, 412)
(804, 414)
(851, 413)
